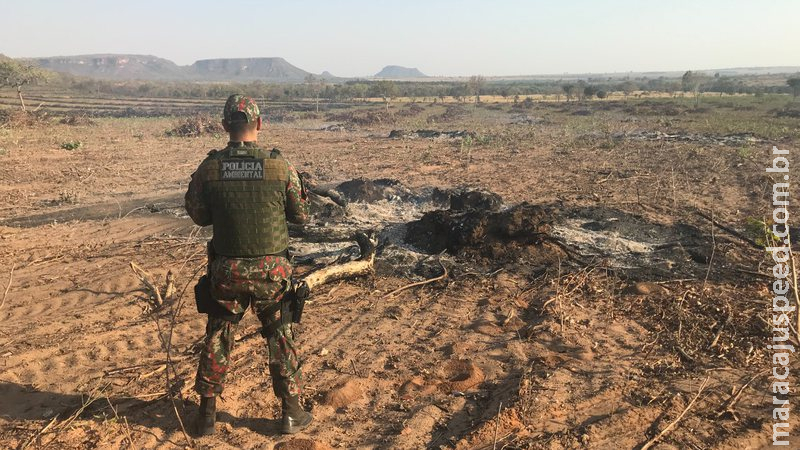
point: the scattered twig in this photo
(120, 370)
(497, 425)
(669, 427)
(93, 396)
(143, 396)
(753, 272)
(730, 230)
(180, 422)
(794, 281)
(683, 353)
(126, 429)
(8, 286)
(421, 283)
(159, 369)
(730, 405)
(176, 309)
(721, 327)
(126, 369)
(38, 434)
(120, 216)
(355, 371)
(713, 250)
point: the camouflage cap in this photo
(240, 103)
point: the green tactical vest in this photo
(245, 189)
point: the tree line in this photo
(426, 90)
(17, 75)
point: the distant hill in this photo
(278, 70)
(227, 69)
(327, 76)
(146, 67)
(400, 72)
(115, 67)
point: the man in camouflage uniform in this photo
(248, 194)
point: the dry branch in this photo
(38, 434)
(730, 230)
(421, 283)
(713, 251)
(8, 286)
(721, 327)
(669, 427)
(177, 306)
(730, 405)
(497, 425)
(93, 396)
(169, 290)
(149, 281)
(127, 427)
(794, 281)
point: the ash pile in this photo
(475, 231)
(417, 230)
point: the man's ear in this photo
(258, 123)
(225, 126)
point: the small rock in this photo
(645, 288)
(324, 351)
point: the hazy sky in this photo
(445, 37)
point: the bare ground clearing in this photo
(594, 331)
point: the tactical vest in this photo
(245, 189)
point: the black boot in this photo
(207, 417)
(294, 418)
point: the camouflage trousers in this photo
(236, 284)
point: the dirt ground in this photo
(589, 317)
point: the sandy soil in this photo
(539, 347)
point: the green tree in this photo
(794, 83)
(360, 90)
(589, 92)
(385, 89)
(16, 75)
(570, 90)
(627, 88)
(690, 82)
(580, 90)
(475, 85)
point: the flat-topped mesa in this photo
(148, 67)
(277, 69)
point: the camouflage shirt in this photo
(297, 202)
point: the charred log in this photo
(364, 265)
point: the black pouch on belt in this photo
(207, 305)
(202, 295)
